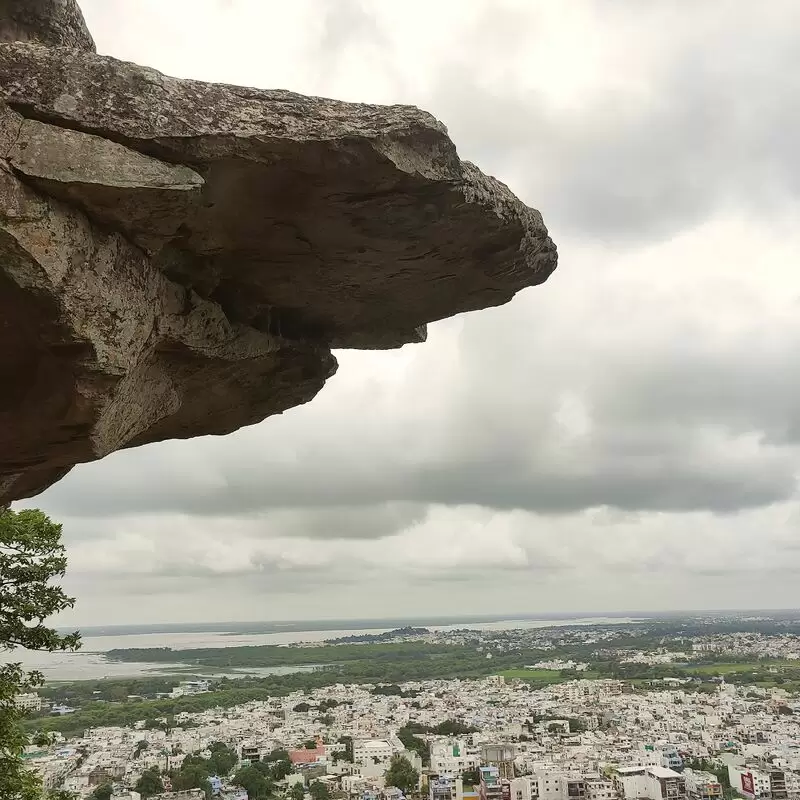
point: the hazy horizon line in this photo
(324, 623)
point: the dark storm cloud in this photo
(672, 425)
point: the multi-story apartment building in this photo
(28, 702)
(371, 751)
(500, 756)
(452, 757)
(492, 787)
(670, 757)
(600, 788)
(650, 783)
(702, 785)
(551, 785)
(750, 781)
(445, 787)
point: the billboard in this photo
(748, 785)
(505, 789)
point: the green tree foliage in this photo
(223, 759)
(102, 792)
(392, 689)
(302, 707)
(278, 754)
(280, 769)
(297, 792)
(254, 781)
(472, 777)
(451, 727)
(347, 741)
(195, 770)
(150, 783)
(319, 791)
(31, 558)
(408, 736)
(311, 744)
(577, 725)
(402, 775)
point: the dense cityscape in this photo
(694, 709)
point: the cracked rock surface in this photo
(179, 258)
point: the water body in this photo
(90, 663)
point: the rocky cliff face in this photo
(178, 258)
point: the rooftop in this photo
(663, 772)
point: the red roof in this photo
(305, 756)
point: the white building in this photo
(749, 781)
(445, 787)
(552, 785)
(452, 757)
(28, 702)
(191, 687)
(702, 785)
(652, 783)
(371, 751)
(600, 788)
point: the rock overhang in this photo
(174, 233)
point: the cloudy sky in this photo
(626, 436)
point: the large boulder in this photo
(178, 258)
(58, 23)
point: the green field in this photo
(532, 674)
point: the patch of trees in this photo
(406, 632)
(98, 713)
(195, 770)
(259, 779)
(402, 775)
(31, 558)
(111, 690)
(297, 792)
(150, 783)
(102, 792)
(408, 736)
(347, 741)
(393, 690)
(471, 777)
(319, 791)
(451, 727)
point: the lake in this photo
(90, 663)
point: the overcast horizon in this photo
(625, 436)
(323, 623)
